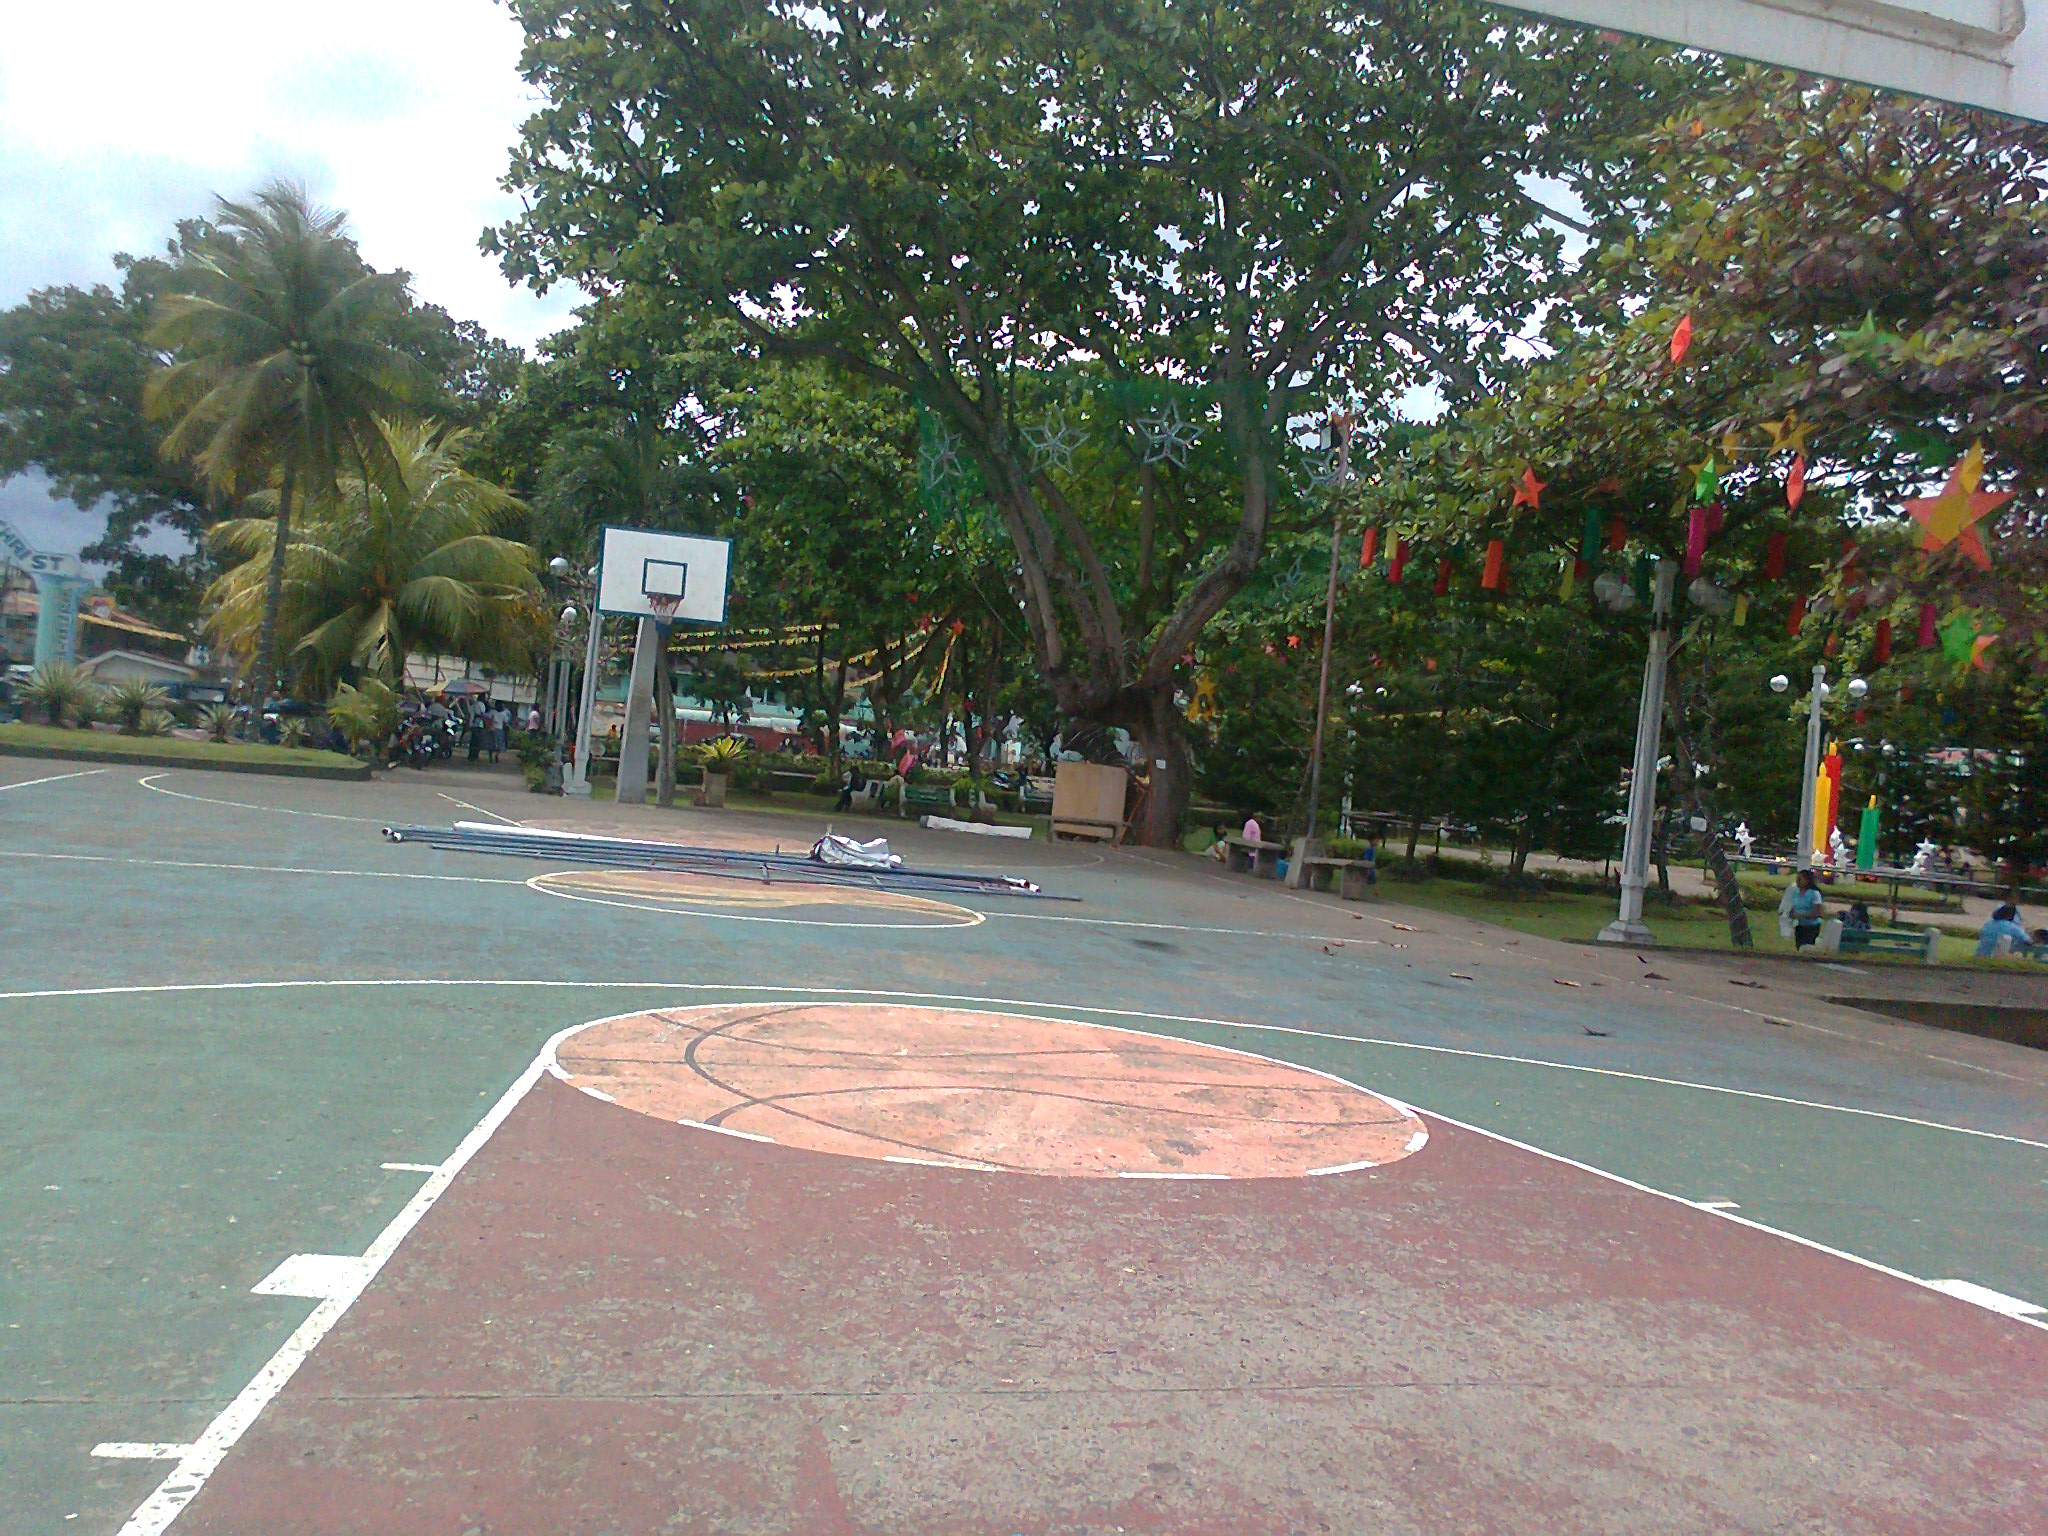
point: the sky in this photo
(118, 117)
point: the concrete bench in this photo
(1246, 857)
(1353, 878)
(1836, 940)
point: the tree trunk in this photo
(1525, 838)
(1700, 803)
(1660, 850)
(1414, 834)
(665, 702)
(263, 677)
(835, 703)
(1156, 723)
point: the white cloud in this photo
(117, 117)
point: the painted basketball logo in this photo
(987, 1091)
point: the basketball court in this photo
(359, 1187)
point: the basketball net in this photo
(663, 605)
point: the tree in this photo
(1228, 212)
(386, 567)
(281, 367)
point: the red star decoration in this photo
(1951, 517)
(1529, 491)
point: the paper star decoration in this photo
(938, 458)
(1706, 480)
(1951, 517)
(1052, 442)
(1789, 433)
(1528, 490)
(1168, 437)
(1964, 644)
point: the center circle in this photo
(761, 901)
(991, 1091)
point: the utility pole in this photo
(1628, 927)
(1310, 845)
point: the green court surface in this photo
(229, 1006)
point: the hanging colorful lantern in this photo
(1443, 577)
(1795, 482)
(1368, 548)
(1681, 339)
(1928, 635)
(1617, 534)
(1397, 562)
(1741, 617)
(1706, 480)
(1589, 536)
(1774, 557)
(1496, 560)
(1695, 540)
(1797, 616)
(1881, 647)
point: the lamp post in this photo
(1628, 926)
(578, 781)
(1340, 429)
(1815, 698)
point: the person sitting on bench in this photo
(856, 781)
(1856, 926)
(2004, 926)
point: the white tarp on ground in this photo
(845, 853)
(985, 829)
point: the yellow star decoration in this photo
(1951, 517)
(1789, 433)
(1731, 442)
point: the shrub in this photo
(153, 722)
(132, 698)
(365, 716)
(219, 721)
(725, 755)
(62, 693)
(293, 732)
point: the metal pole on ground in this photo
(578, 782)
(1628, 926)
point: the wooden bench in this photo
(1353, 878)
(924, 797)
(1836, 940)
(1034, 798)
(1246, 857)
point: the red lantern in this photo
(1797, 616)
(1617, 535)
(1443, 577)
(1368, 549)
(1496, 558)
(1795, 482)
(1774, 557)
(1397, 562)
(1928, 638)
(1881, 650)
(1695, 540)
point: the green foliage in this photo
(220, 721)
(724, 755)
(127, 701)
(364, 715)
(157, 722)
(62, 693)
(386, 568)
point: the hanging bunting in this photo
(1795, 482)
(1681, 339)
(1927, 629)
(1881, 648)
(1797, 616)
(1397, 562)
(1443, 577)
(1368, 549)
(1741, 610)
(1951, 516)
(1695, 540)
(1528, 490)
(1496, 560)
(1774, 557)
(1617, 534)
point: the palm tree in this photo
(280, 368)
(387, 567)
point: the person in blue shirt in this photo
(1799, 911)
(2005, 924)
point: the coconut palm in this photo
(387, 567)
(280, 369)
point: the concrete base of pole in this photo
(1625, 931)
(1298, 855)
(639, 705)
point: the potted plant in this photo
(719, 760)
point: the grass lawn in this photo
(1577, 917)
(17, 740)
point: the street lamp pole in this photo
(1628, 926)
(1340, 475)
(1812, 776)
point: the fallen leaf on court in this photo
(1560, 981)
(1461, 976)
(1655, 976)
(1402, 926)
(1734, 981)
(1602, 1033)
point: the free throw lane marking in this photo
(1984, 1296)
(54, 778)
(245, 805)
(141, 1450)
(410, 1167)
(313, 1276)
(256, 869)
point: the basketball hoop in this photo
(663, 605)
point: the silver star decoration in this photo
(1053, 441)
(1327, 471)
(938, 458)
(1168, 437)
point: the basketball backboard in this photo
(1979, 53)
(663, 576)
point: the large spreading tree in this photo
(1224, 217)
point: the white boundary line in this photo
(245, 805)
(205, 1454)
(258, 869)
(54, 778)
(507, 820)
(149, 989)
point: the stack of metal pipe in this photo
(727, 863)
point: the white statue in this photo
(1746, 838)
(1923, 856)
(1838, 847)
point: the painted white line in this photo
(257, 869)
(141, 1450)
(725, 1130)
(54, 778)
(958, 1165)
(596, 1093)
(232, 1422)
(1133, 1173)
(1984, 1296)
(507, 820)
(149, 989)
(1316, 1173)
(410, 1167)
(1717, 1205)
(1243, 933)
(312, 1276)
(245, 805)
